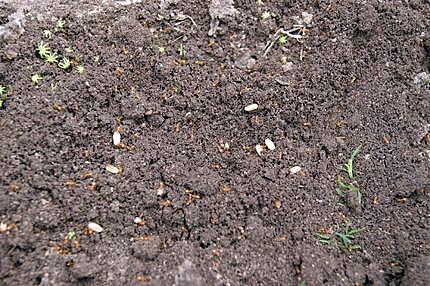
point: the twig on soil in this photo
(296, 33)
(181, 18)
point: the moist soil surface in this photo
(185, 198)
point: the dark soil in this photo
(227, 216)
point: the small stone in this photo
(259, 149)
(112, 169)
(295, 169)
(161, 191)
(251, 107)
(138, 220)
(288, 67)
(10, 54)
(95, 227)
(3, 227)
(116, 138)
(270, 145)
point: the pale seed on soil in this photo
(295, 169)
(138, 220)
(112, 169)
(259, 149)
(251, 107)
(161, 191)
(116, 138)
(95, 227)
(270, 145)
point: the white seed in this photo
(3, 227)
(116, 138)
(259, 149)
(161, 191)
(270, 145)
(295, 169)
(95, 227)
(251, 107)
(112, 169)
(138, 220)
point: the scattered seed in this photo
(251, 107)
(278, 204)
(3, 227)
(138, 220)
(116, 138)
(295, 169)
(112, 169)
(270, 145)
(161, 191)
(259, 149)
(95, 227)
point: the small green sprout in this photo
(323, 238)
(64, 64)
(348, 165)
(51, 58)
(36, 78)
(47, 34)
(60, 25)
(259, 2)
(161, 50)
(43, 50)
(71, 235)
(68, 50)
(345, 238)
(266, 15)
(181, 51)
(2, 89)
(284, 60)
(80, 69)
(282, 40)
(342, 186)
(302, 283)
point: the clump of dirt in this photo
(194, 189)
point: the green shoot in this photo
(2, 90)
(302, 283)
(47, 34)
(51, 58)
(36, 78)
(80, 69)
(64, 64)
(71, 235)
(342, 186)
(60, 25)
(323, 238)
(43, 50)
(266, 15)
(282, 40)
(68, 50)
(181, 51)
(348, 165)
(345, 238)
(259, 2)
(161, 50)
(284, 60)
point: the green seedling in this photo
(342, 186)
(348, 165)
(51, 58)
(36, 78)
(161, 50)
(47, 34)
(60, 25)
(68, 50)
(2, 90)
(284, 60)
(346, 237)
(43, 50)
(259, 2)
(181, 51)
(64, 64)
(71, 235)
(302, 283)
(323, 238)
(80, 69)
(266, 15)
(395, 265)
(282, 40)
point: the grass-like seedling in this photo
(71, 236)
(342, 186)
(36, 78)
(68, 50)
(60, 25)
(181, 51)
(43, 50)
(266, 15)
(161, 50)
(282, 40)
(47, 34)
(51, 58)
(2, 90)
(80, 69)
(64, 63)
(348, 165)
(343, 239)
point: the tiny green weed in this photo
(71, 235)
(348, 165)
(43, 50)
(64, 63)
(161, 50)
(342, 186)
(51, 58)
(266, 15)
(60, 25)
(181, 51)
(2, 90)
(80, 69)
(68, 50)
(259, 2)
(343, 239)
(47, 34)
(36, 78)
(282, 40)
